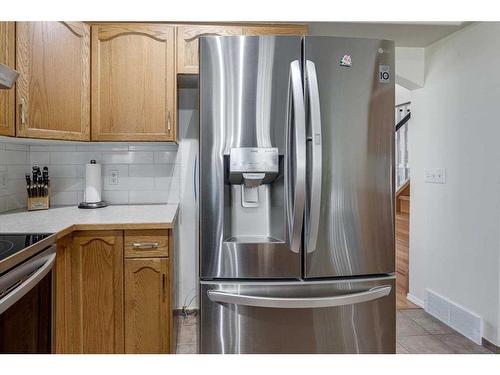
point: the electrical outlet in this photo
(115, 177)
(3, 180)
(435, 175)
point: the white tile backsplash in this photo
(147, 172)
(14, 163)
(74, 157)
(128, 157)
(15, 157)
(130, 183)
(151, 170)
(140, 197)
(39, 157)
(64, 198)
(67, 184)
(115, 197)
(165, 156)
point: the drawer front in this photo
(353, 326)
(146, 243)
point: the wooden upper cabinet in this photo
(7, 97)
(188, 35)
(275, 30)
(187, 43)
(147, 310)
(133, 82)
(53, 89)
(96, 283)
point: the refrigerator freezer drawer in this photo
(336, 316)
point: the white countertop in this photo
(61, 219)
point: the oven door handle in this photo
(28, 284)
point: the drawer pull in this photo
(145, 245)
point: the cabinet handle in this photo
(164, 286)
(145, 245)
(168, 122)
(22, 108)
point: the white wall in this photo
(455, 227)
(410, 67)
(186, 261)
(403, 95)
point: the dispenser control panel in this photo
(254, 159)
(253, 166)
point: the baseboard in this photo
(415, 300)
(454, 315)
(490, 346)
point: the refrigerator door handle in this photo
(316, 163)
(299, 303)
(195, 164)
(297, 143)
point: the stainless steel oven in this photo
(26, 290)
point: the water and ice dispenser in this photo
(255, 199)
(251, 167)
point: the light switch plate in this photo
(435, 175)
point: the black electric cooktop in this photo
(13, 243)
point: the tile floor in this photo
(417, 333)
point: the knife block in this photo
(38, 203)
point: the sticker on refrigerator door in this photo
(346, 61)
(384, 75)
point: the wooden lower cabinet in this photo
(62, 292)
(96, 309)
(105, 303)
(147, 307)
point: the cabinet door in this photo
(7, 57)
(96, 307)
(147, 310)
(62, 295)
(53, 89)
(187, 43)
(275, 30)
(133, 82)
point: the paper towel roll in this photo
(93, 182)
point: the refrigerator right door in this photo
(349, 222)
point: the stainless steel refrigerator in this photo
(296, 195)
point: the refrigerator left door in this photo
(252, 174)
(336, 317)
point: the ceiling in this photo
(405, 34)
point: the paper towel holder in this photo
(87, 205)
